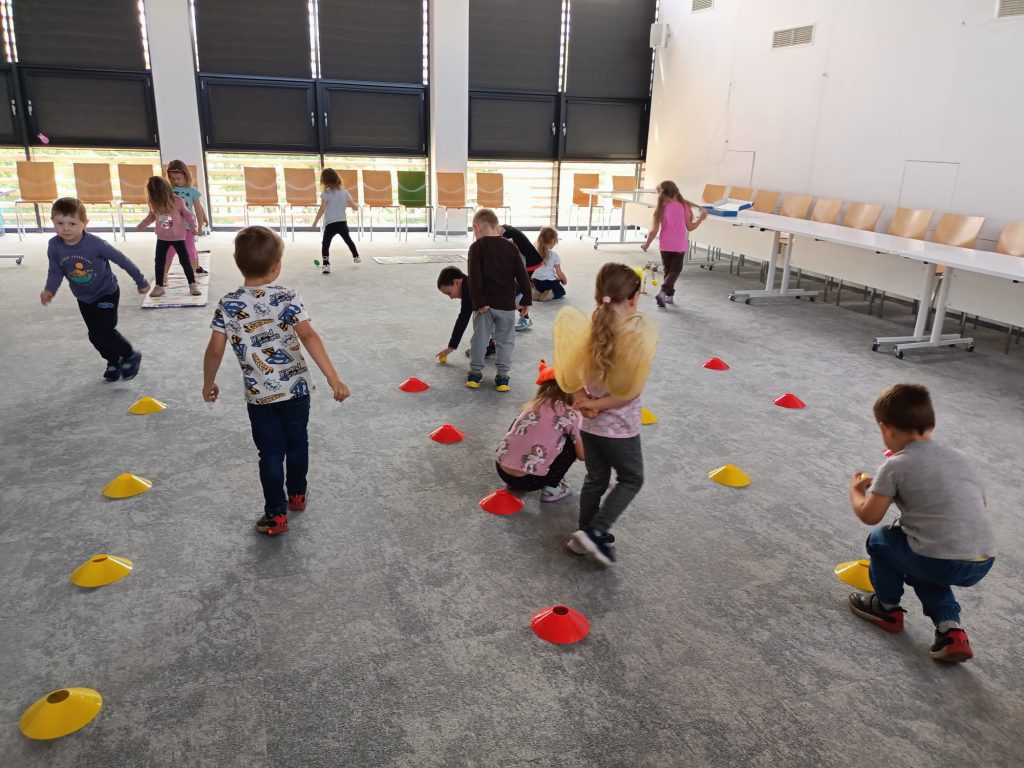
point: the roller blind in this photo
(91, 34)
(514, 46)
(366, 120)
(252, 115)
(604, 130)
(267, 38)
(609, 52)
(8, 131)
(379, 41)
(511, 126)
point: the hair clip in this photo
(606, 299)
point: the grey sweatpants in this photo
(602, 455)
(499, 324)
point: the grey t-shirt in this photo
(337, 200)
(941, 500)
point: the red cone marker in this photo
(446, 434)
(560, 624)
(413, 385)
(501, 502)
(789, 400)
(716, 364)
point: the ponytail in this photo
(616, 283)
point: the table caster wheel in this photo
(899, 354)
(874, 347)
(17, 261)
(732, 298)
(970, 347)
(813, 298)
(747, 301)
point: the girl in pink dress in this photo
(673, 219)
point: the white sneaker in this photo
(356, 260)
(575, 547)
(326, 268)
(556, 495)
(157, 292)
(193, 288)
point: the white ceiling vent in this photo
(1007, 8)
(702, 5)
(786, 38)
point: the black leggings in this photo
(337, 228)
(101, 319)
(562, 463)
(162, 247)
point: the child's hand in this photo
(644, 247)
(860, 482)
(211, 392)
(442, 356)
(339, 388)
(45, 297)
(482, 310)
(143, 289)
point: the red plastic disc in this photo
(413, 385)
(560, 624)
(716, 364)
(501, 502)
(789, 400)
(446, 434)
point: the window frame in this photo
(15, 102)
(210, 142)
(324, 88)
(644, 128)
(556, 112)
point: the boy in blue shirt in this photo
(84, 260)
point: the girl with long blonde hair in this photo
(171, 216)
(673, 219)
(548, 278)
(183, 186)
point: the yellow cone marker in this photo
(730, 475)
(59, 713)
(100, 570)
(147, 405)
(123, 486)
(646, 417)
(855, 573)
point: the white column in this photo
(169, 31)
(449, 93)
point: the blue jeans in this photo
(894, 563)
(550, 285)
(279, 431)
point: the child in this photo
(943, 537)
(85, 260)
(606, 366)
(673, 217)
(542, 443)
(266, 322)
(531, 259)
(333, 202)
(452, 283)
(171, 217)
(496, 275)
(548, 278)
(181, 184)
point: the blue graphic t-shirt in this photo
(259, 322)
(189, 195)
(86, 265)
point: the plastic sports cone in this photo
(100, 570)
(789, 400)
(730, 475)
(646, 417)
(716, 364)
(501, 502)
(446, 433)
(413, 385)
(855, 573)
(123, 486)
(147, 405)
(59, 713)
(560, 624)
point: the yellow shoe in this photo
(473, 380)
(501, 383)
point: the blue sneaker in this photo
(524, 323)
(501, 383)
(473, 380)
(599, 545)
(130, 365)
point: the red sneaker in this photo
(870, 609)
(297, 502)
(951, 646)
(272, 526)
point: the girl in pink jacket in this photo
(171, 216)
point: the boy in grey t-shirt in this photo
(943, 537)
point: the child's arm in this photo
(476, 283)
(150, 218)
(116, 257)
(650, 237)
(315, 346)
(186, 214)
(560, 274)
(54, 277)
(525, 286)
(211, 362)
(692, 224)
(320, 213)
(461, 322)
(200, 216)
(352, 203)
(869, 507)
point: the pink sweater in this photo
(171, 227)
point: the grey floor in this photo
(391, 626)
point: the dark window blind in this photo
(378, 41)
(514, 46)
(8, 129)
(511, 126)
(609, 53)
(91, 34)
(604, 130)
(246, 114)
(267, 38)
(364, 120)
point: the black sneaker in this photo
(868, 607)
(272, 526)
(113, 372)
(201, 271)
(600, 545)
(130, 365)
(490, 350)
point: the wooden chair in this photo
(712, 193)
(299, 192)
(93, 187)
(764, 201)
(956, 229)
(581, 200)
(490, 193)
(37, 184)
(795, 206)
(621, 184)
(862, 216)
(131, 179)
(451, 196)
(261, 192)
(910, 222)
(350, 183)
(377, 193)
(741, 193)
(826, 210)
(1011, 239)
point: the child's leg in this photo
(190, 244)
(296, 420)
(343, 231)
(599, 474)
(483, 328)
(162, 265)
(101, 320)
(672, 261)
(330, 230)
(561, 465)
(504, 338)
(182, 251)
(525, 484)
(268, 434)
(625, 455)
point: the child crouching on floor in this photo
(542, 443)
(548, 278)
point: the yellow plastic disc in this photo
(123, 486)
(100, 570)
(147, 405)
(855, 573)
(730, 475)
(61, 712)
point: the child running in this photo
(605, 365)
(266, 323)
(84, 260)
(943, 537)
(542, 443)
(548, 278)
(171, 217)
(333, 203)
(181, 181)
(673, 219)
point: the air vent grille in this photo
(786, 38)
(701, 5)
(1007, 8)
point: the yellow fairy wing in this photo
(634, 352)
(572, 341)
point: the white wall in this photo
(885, 83)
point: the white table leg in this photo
(769, 288)
(936, 338)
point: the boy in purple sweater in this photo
(84, 260)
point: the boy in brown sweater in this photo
(496, 275)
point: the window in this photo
(258, 114)
(371, 120)
(529, 189)
(266, 38)
(605, 171)
(512, 125)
